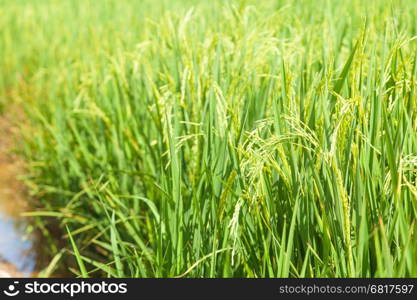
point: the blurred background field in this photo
(270, 138)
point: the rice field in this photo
(241, 138)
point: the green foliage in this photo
(221, 138)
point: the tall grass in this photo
(220, 138)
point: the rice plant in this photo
(235, 138)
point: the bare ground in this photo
(12, 191)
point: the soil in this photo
(7, 270)
(13, 196)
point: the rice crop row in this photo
(219, 138)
